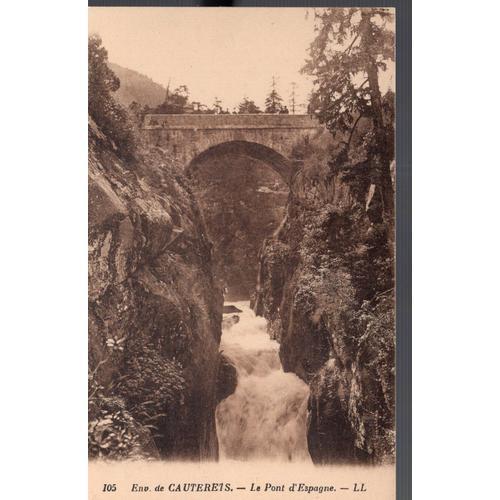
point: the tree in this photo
(351, 46)
(217, 107)
(247, 106)
(108, 115)
(137, 112)
(102, 81)
(175, 101)
(292, 97)
(273, 100)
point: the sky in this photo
(225, 52)
(230, 53)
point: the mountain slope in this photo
(135, 86)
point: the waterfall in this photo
(265, 418)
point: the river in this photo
(265, 418)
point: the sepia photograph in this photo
(241, 231)
(223, 276)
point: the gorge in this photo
(264, 214)
(310, 377)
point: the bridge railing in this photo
(223, 121)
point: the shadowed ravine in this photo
(265, 418)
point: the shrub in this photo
(109, 116)
(152, 388)
(112, 432)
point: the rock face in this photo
(154, 309)
(326, 287)
(243, 202)
(227, 378)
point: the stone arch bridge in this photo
(271, 138)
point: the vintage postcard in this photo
(242, 305)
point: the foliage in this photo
(126, 414)
(109, 116)
(274, 100)
(351, 44)
(175, 102)
(351, 47)
(112, 432)
(376, 319)
(314, 156)
(153, 386)
(247, 106)
(217, 106)
(325, 278)
(137, 112)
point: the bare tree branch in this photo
(352, 131)
(346, 51)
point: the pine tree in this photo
(106, 112)
(247, 106)
(351, 47)
(292, 98)
(274, 100)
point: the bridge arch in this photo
(253, 150)
(242, 188)
(184, 137)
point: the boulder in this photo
(227, 309)
(227, 378)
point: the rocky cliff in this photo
(242, 201)
(154, 312)
(326, 287)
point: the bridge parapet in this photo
(224, 122)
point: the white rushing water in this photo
(265, 418)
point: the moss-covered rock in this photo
(326, 287)
(154, 308)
